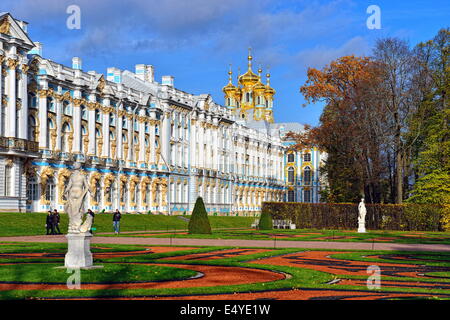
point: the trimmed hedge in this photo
(408, 217)
(265, 221)
(199, 222)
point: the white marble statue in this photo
(75, 193)
(362, 217)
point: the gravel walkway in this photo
(240, 243)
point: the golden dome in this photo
(230, 88)
(259, 86)
(249, 79)
(269, 91)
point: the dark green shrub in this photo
(265, 222)
(408, 217)
(199, 222)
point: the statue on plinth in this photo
(362, 217)
(78, 238)
(75, 193)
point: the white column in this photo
(11, 110)
(105, 129)
(76, 122)
(119, 144)
(142, 147)
(23, 132)
(165, 137)
(152, 143)
(91, 126)
(59, 111)
(43, 143)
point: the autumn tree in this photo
(350, 130)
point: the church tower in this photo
(251, 99)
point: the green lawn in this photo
(378, 236)
(139, 268)
(21, 224)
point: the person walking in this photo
(91, 213)
(49, 223)
(116, 221)
(57, 220)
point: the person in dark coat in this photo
(116, 221)
(49, 223)
(91, 213)
(57, 218)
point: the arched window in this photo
(97, 192)
(291, 157)
(50, 125)
(51, 104)
(307, 175)
(32, 124)
(32, 100)
(84, 113)
(65, 137)
(111, 120)
(98, 116)
(67, 109)
(291, 177)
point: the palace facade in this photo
(144, 146)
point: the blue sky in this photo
(196, 40)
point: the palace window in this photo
(32, 190)
(306, 195)
(51, 104)
(291, 176)
(291, 157)
(307, 175)
(50, 190)
(98, 117)
(124, 123)
(97, 192)
(32, 101)
(8, 178)
(291, 196)
(67, 109)
(307, 157)
(32, 128)
(84, 114)
(65, 137)
(111, 120)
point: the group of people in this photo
(53, 219)
(52, 222)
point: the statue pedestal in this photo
(79, 251)
(361, 228)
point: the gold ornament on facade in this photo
(25, 68)
(95, 177)
(70, 141)
(113, 149)
(53, 136)
(101, 84)
(100, 146)
(5, 26)
(46, 173)
(12, 63)
(63, 175)
(144, 183)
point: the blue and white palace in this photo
(145, 146)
